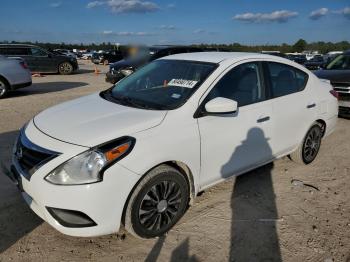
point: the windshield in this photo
(340, 62)
(160, 85)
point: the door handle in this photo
(263, 119)
(311, 105)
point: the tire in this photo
(105, 62)
(149, 212)
(4, 87)
(65, 68)
(309, 148)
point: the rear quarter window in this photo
(285, 79)
(13, 51)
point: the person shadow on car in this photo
(254, 212)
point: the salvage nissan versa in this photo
(137, 154)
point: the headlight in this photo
(87, 167)
(127, 71)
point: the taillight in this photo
(334, 93)
(23, 64)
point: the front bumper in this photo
(96, 61)
(101, 202)
(114, 77)
(344, 106)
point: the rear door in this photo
(23, 52)
(233, 143)
(293, 104)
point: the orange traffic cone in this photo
(96, 70)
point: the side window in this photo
(3, 51)
(285, 79)
(339, 63)
(160, 53)
(242, 84)
(38, 52)
(17, 51)
(175, 51)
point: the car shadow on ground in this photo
(83, 71)
(16, 218)
(48, 87)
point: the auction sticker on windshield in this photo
(182, 83)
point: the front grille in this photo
(344, 111)
(343, 90)
(344, 96)
(30, 156)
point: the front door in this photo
(233, 143)
(44, 63)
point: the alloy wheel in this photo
(312, 144)
(2, 88)
(66, 68)
(160, 205)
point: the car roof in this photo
(218, 57)
(163, 47)
(17, 45)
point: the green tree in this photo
(300, 46)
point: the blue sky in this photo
(175, 22)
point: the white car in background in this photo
(139, 153)
(14, 74)
(87, 56)
(66, 52)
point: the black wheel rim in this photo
(312, 144)
(160, 205)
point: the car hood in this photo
(325, 74)
(129, 62)
(91, 120)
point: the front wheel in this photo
(157, 203)
(65, 68)
(308, 150)
(3, 88)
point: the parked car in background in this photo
(14, 74)
(40, 60)
(87, 56)
(315, 63)
(125, 67)
(138, 153)
(298, 58)
(338, 73)
(66, 52)
(275, 53)
(107, 57)
(331, 55)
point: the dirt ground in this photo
(259, 216)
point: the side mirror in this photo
(221, 105)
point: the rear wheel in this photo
(65, 68)
(4, 87)
(157, 203)
(308, 150)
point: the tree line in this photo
(299, 46)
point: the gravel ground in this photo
(260, 216)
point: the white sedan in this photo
(14, 74)
(139, 153)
